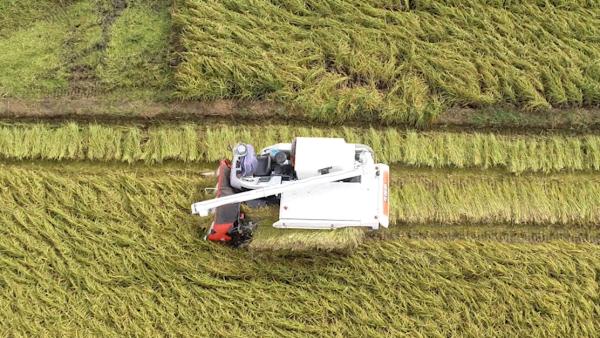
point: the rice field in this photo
(94, 250)
(382, 61)
(363, 294)
(390, 61)
(210, 143)
(494, 232)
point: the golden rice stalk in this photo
(189, 143)
(390, 61)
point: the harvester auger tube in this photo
(205, 207)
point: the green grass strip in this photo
(192, 143)
(73, 49)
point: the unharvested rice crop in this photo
(390, 61)
(416, 198)
(190, 143)
(473, 199)
(114, 251)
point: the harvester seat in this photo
(263, 167)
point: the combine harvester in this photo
(319, 183)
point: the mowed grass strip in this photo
(288, 241)
(519, 208)
(118, 254)
(212, 142)
(390, 61)
(426, 198)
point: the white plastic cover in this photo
(315, 153)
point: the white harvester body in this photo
(322, 183)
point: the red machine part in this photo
(219, 232)
(223, 215)
(386, 192)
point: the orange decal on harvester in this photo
(386, 183)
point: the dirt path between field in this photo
(571, 121)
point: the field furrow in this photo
(491, 232)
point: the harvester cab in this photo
(319, 183)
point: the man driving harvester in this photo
(320, 183)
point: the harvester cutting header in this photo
(319, 183)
